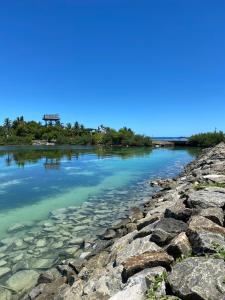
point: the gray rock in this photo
(3, 263)
(147, 220)
(209, 197)
(166, 229)
(136, 247)
(22, 280)
(198, 278)
(214, 214)
(135, 292)
(5, 294)
(178, 211)
(179, 246)
(35, 292)
(204, 242)
(4, 271)
(217, 178)
(108, 234)
(45, 277)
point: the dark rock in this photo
(166, 229)
(198, 278)
(77, 264)
(178, 211)
(179, 246)
(147, 220)
(204, 242)
(136, 214)
(108, 234)
(145, 260)
(214, 214)
(45, 277)
(120, 223)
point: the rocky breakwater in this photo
(172, 247)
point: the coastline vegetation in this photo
(208, 139)
(21, 132)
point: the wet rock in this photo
(45, 277)
(120, 223)
(2, 255)
(29, 239)
(108, 234)
(77, 264)
(41, 243)
(136, 247)
(41, 263)
(214, 214)
(5, 294)
(35, 292)
(136, 214)
(76, 241)
(209, 197)
(198, 278)
(4, 271)
(21, 265)
(16, 227)
(179, 246)
(166, 229)
(22, 280)
(131, 227)
(3, 263)
(52, 289)
(146, 260)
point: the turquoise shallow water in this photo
(53, 197)
(35, 181)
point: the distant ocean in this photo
(166, 138)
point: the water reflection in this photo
(53, 156)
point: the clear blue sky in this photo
(157, 66)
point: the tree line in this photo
(20, 131)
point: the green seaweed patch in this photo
(202, 186)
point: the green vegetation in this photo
(220, 251)
(208, 139)
(155, 286)
(20, 132)
(201, 186)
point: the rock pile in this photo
(172, 247)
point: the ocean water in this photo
(52, 194)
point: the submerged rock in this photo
(22, 280)
(4, 271)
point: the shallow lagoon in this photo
(51, 195)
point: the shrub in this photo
(208, 139)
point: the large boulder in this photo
(178, 211)
(201, 224)
(214, 214)
(198, 278)
(136, 247)
(209, 197)
(166, 229)
(145, 260)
